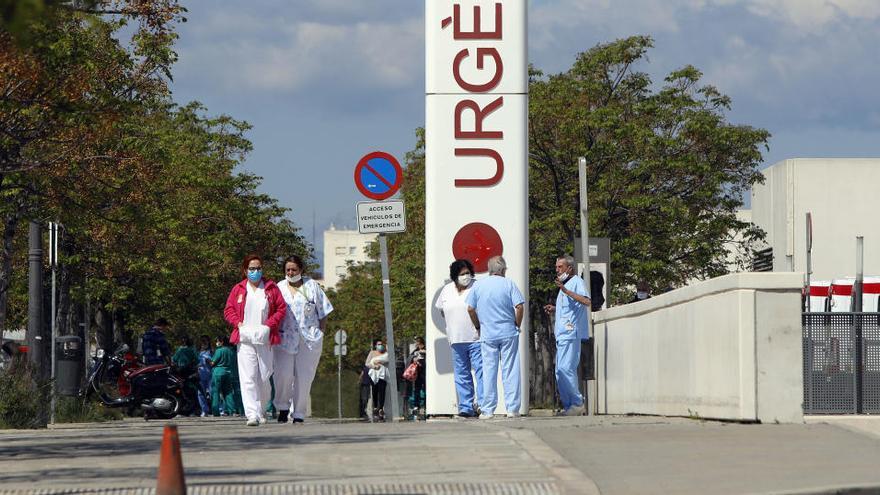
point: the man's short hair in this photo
(497, 265)
(568, 259)
(161, 322)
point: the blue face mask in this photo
(255, 276)
(380, 348)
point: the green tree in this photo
(65, 80)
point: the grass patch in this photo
(76, 410)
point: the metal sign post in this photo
(340, 349)
(53, 264)
(378, 176)
(809, 257)
(389, 328)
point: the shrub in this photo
(24, 402)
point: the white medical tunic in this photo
(459, 327)
(306, 306)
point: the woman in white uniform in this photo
(463, 338)
(255, 309)
(296, 359)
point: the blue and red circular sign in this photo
(378, 175)
(477, 242)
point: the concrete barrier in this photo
(727, 348)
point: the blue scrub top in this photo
(494, 298)
(571, 316)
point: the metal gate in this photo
(841, 363)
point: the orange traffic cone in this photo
(170, 480)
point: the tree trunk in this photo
(104, 330)
(120, 332)
(10, 222)
(543, 382)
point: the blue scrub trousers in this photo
(467, 356)
(507, 351)
(205, 392)
(568, 356)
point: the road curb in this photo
(571, 479)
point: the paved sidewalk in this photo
(649, 455)
(454, 456)
(585, 455)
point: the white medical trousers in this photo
(254, 370)
(568, 356)
(293, 378)
(507, 351)
(283, 377)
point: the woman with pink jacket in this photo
(255, 309)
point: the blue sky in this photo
(324, 82)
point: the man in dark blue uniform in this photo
(154, 346)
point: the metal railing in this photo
(841, 363)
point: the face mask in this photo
(641, 295)
(255, 276)
(380, 348)
(564, 277)
(465, 280)
(294, 279)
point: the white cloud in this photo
(810, 14)
(276, 54)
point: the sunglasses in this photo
(254, 268)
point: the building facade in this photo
(842, 197)
(340, 248)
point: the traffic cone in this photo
(170, 479)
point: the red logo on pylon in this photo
(477, 242)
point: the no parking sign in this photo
(378, 175)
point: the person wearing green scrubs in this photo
(238, 408)
(223, 363)
(186, 359)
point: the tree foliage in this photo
(666, 174)
(156, 215)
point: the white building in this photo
(341, 247)
(843, 197)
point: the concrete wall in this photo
(726, 348)
(843, 196)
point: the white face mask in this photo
(465, 280)
(564, 277)
(294, 279)
(640, 295)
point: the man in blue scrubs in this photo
(495, 305)
(572, 326)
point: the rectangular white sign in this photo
(476, 170)
(381, 217)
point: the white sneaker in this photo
(575, 410)
(486, 416)
(514, 414)
(262, 420)
(253, 422)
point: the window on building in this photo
(340, 250)
(352, 250)
(340, 271)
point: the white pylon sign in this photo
(476, 170)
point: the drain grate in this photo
(525, 488)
